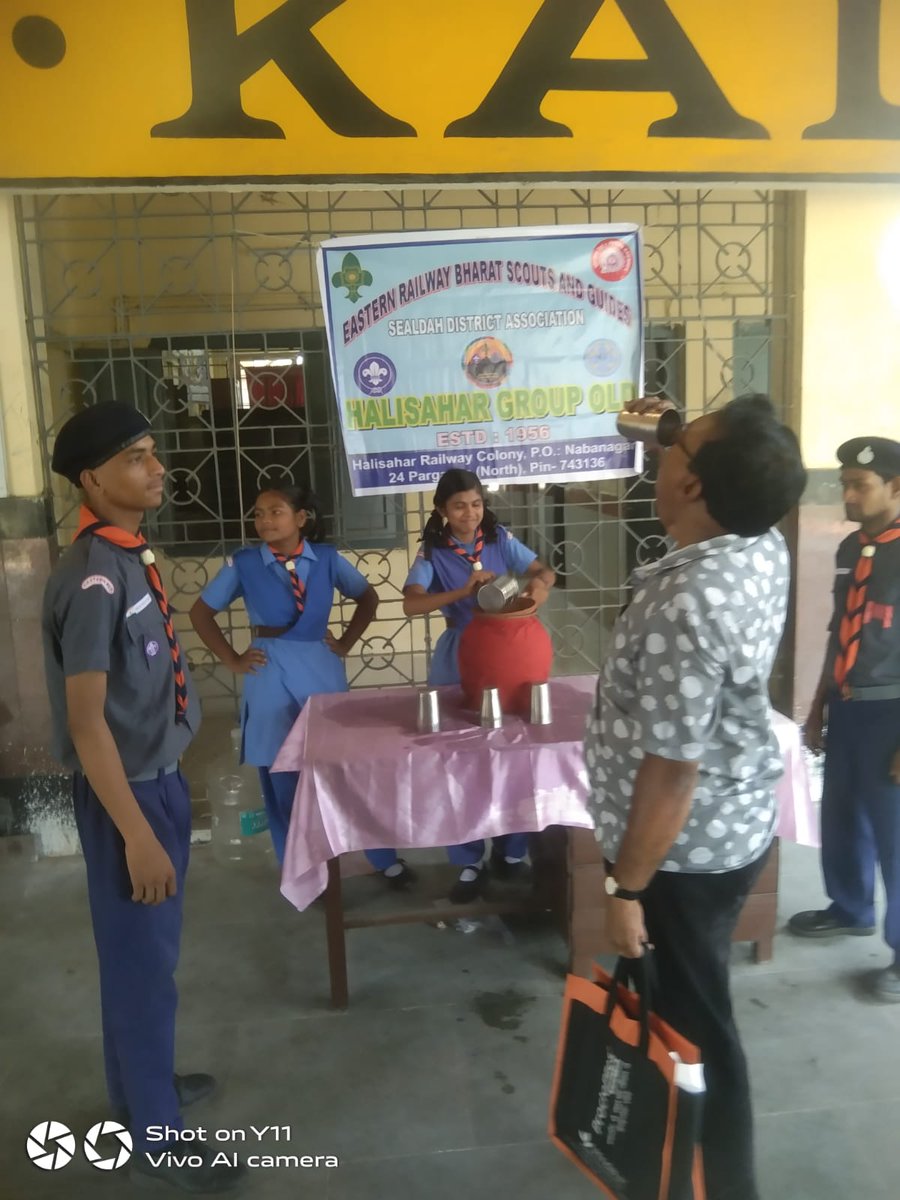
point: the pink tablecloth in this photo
(368, 779)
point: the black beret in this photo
(95, 435)
(878, 454)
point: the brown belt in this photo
(268, 631)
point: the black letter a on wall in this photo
(542, 62)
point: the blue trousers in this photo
(278, 790)
(512, 845)
(137, 949)
(861, 811)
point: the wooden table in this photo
(568, 877)
(367, 779)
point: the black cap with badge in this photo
(878, 454)
(94, 436)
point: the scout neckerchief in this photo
(90, 526)
(850, 630)
(475, 557)
(297, 584)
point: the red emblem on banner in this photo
(612, 259)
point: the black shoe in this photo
(192, 1088)
(467, 891)
(204, 1180)
(400, 882)
(188, 1088)
(509, 872)
(886, 984)
(823, 923)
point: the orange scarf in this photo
(850, 631)
(475, 557)
(90, 526)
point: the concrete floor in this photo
(435, 1082)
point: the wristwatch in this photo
(613, 889)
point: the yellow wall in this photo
(20, 438)
(102, 107)
(851, 318)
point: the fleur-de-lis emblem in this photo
(375, 372)
(352, 277)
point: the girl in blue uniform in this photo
(464, 547)
(287, 585)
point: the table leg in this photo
(587, 899)
(334, 928)
(762, 950)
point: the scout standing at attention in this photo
(860, 693)
(464, 546)
(287, 585)
(124, 711)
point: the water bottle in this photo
(240, 825)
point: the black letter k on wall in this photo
(222, 59)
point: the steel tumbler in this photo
(429, 712)
(541, 711)
(654, 429)
(491, 713)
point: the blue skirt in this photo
(274, 696)
(445, 660)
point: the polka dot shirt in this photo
(687, 679)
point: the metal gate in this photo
(202, 308)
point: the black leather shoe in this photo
(205, 1180)
(823, 923)
(466, 891)
(400, 882)
(509, 872)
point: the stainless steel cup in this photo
(653, 429)
(429, 720)
(494, 596)
(541, 710)
(491, 713)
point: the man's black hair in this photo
(751, 470)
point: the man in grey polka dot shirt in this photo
(680, 751)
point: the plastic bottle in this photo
(240, 826)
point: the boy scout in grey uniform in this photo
(124, 710)
(860, 692)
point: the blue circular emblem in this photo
(603, 357)
(375, 374)
(152, 649)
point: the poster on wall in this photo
(505, 352)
